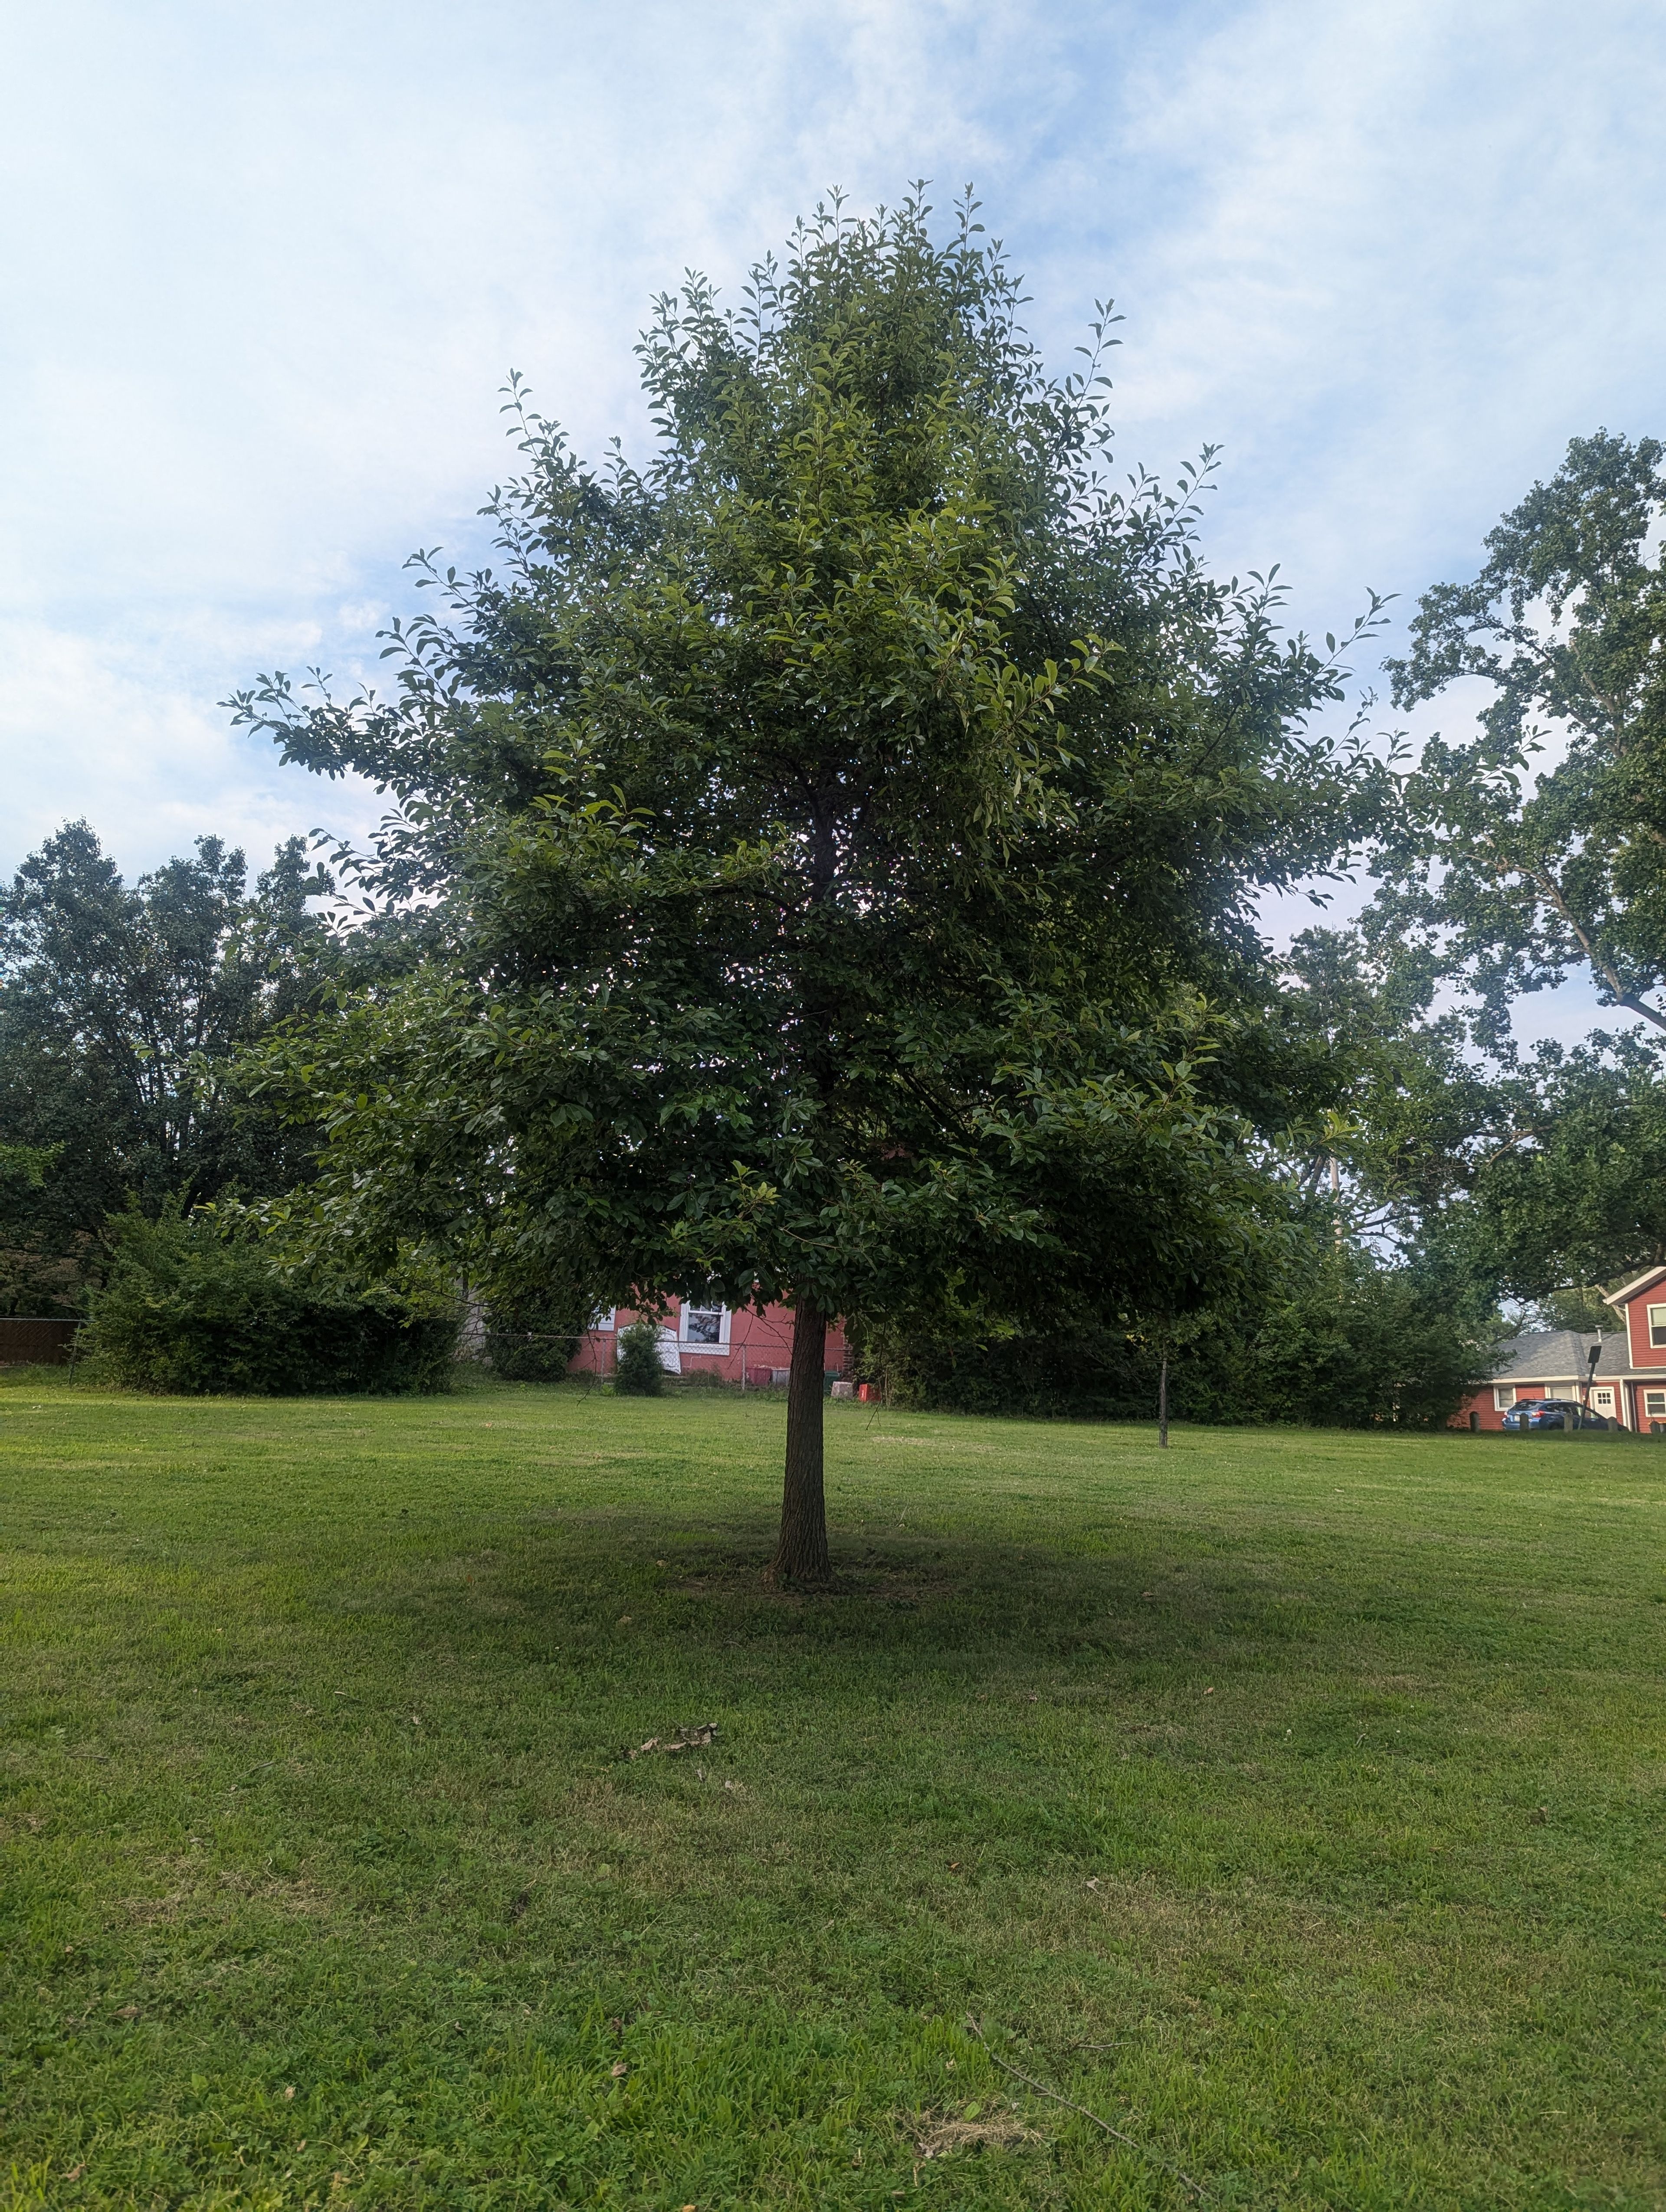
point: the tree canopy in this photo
(1528, 852)
(843, 833)
(1523, 874)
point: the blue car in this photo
(1553, 1413)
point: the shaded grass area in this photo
(1292, 1801)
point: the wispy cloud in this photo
(268, 268)
(106, 728)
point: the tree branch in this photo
(1070, 2104)
(1552, 890)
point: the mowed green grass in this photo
(1292, 1801)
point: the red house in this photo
(747, 1347)
(1627, 1384)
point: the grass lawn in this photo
(1291, 1802)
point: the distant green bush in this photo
(185, 1308)
(639, 1371)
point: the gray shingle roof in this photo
(1559, 1355)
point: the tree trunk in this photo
(1163, 1402)
(801, 1554)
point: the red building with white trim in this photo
(737, 1345)
(1627, 1384)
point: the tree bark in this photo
(1162, 1403)
(801, 1555)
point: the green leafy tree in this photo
(1534, 850)
(1350, 1340)
(120, 1009)
(31, 1281)
(1580, 1306)
(1521, 876)
(1584, 1202)
(849, 828)
(1494, 1173)
(1416, 1111)
(529, 1345)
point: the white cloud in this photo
(1406, 261)
(97, 728)
(267, 269)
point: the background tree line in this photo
(132, 1151)
(122, 1009)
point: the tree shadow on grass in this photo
(636, 1579)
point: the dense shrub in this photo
(639, 1371)
(526, 1347)
(185, 1308)
(1344, 1343)
(1089, 1373)
(1357, 1346)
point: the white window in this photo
(703, 1329)
(1654, 1405)
(606, 1320)
(1657, 1324)
(1504, 1397)
(1602, 1399)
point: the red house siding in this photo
(1489, 1412)
(1642, 1352)
(1648, 1404)
(753, 1345)
(1645, 1399)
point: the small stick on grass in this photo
(1059, 2098)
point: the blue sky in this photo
(266, 270)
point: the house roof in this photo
(1643, 1282)
(1559, 1355)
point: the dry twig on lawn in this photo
(1070, 2104)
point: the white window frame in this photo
(1602, 1396)
(1654, 1405)
(1504, 1397)
(695, 1348)
(1657, 1317)
(605, 1320)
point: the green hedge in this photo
(1352, 1344)
(185, 1309)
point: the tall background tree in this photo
(1532, 852)
(847, 828)
(1521, 873)
(121, 1007)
